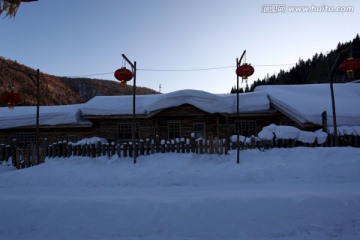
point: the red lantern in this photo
(10, 98)
(245, 71)
(350, 66)
(123, 75)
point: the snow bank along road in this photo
(298, 193)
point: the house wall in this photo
(216, 125)
(49, 134)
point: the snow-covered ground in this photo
(298, 193)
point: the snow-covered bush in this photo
(290, 132)
(306, 137)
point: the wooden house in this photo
(182, 113)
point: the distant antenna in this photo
(159, 88)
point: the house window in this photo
(125, 131)
(24, 137)
(174, 130)
(247, 128)
(199, 130)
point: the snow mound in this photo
(289, 132)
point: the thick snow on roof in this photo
(211, 103)
(122, 105)
(307, 102)
(49, 115)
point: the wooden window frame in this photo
(174, 133)
(247, 127)
(124, 131)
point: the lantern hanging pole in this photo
(331, 71)
(35, 78)
(133, 65)
(238, 63)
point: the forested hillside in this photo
(56, 90)
(315, 70)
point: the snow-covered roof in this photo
(49, 115)
(307, 102)
(303, 102)
(208, 102)
(122, 105)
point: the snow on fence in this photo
(97, 147)
(21, 157)
(272, 136)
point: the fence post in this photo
(118, 150)
(142, 147)
(93, 149)
(220, 146)
(125, 149)
(17, 158)
(26, 151)
(183, 145)
(201, 146)
(193, 145)
(147, 146)
(158, 143)
(102, 149)
(112, 149)
(8, 149)
(83, 150)
(34, 160)
(2, 152)
(216, 145)
(211, 146)
(153, 147)
(178, 146)
(188, 146)
(131, 148)
(168, 143)
(172, 146)
(163, 146)
(13, 152)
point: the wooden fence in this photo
(25, 156)
(147, 147)
(22, 157)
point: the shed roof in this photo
(307, 102)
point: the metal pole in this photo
(333, 110)
(134, 113)
(237, 117)
(37, 84)
(134, 103)
(331, 70)
(238, 62)
(38, 115)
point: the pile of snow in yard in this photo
(298, 193)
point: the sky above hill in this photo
(87, 38)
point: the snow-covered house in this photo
(180, 113)
(304, 104)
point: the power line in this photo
(182, 70)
